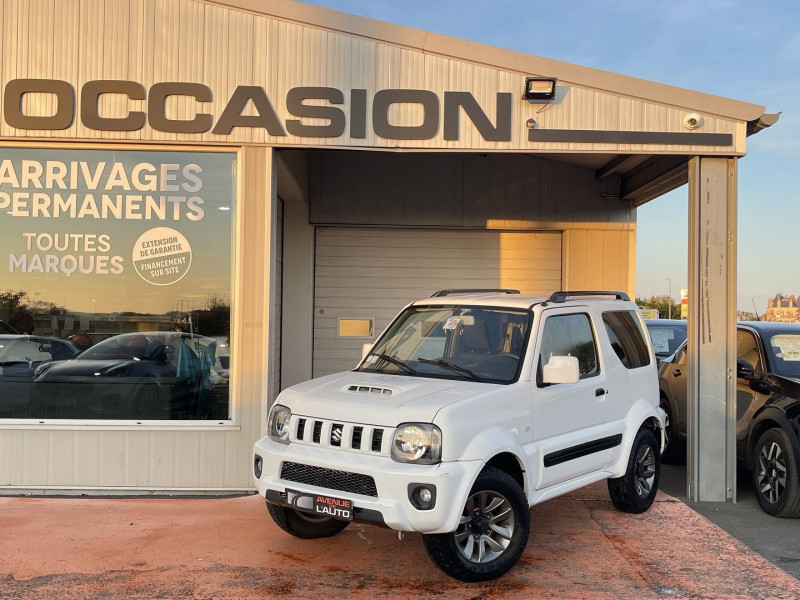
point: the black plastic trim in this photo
(581, 450)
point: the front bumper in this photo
(387, 503)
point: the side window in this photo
(627, 338)
(570, 335)
(747, 349)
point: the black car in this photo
(143, 376)
(767, 410)
(20, 356)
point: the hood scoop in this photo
(369, 389)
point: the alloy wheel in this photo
(486, 527)
(771, 472)
(645, 470)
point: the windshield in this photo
(784, 350)
(453, 342)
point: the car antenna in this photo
(755, 309)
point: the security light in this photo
(540, 88)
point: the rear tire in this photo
(304, 525)
(635, 491)
(775, 474)
(491, 535)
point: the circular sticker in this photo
(162, 256)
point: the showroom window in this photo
(115, 295)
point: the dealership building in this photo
(278, 180)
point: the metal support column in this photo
(711, 457)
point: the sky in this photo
(732, 48)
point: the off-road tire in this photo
(304, 525)
(635, 491)
(491, 535)
(775, 474)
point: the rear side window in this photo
(570, 335)
(627, 338)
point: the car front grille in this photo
(349, 437)
(331, 479)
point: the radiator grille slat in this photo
(338, 435)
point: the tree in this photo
(662, 304)
(20, 317)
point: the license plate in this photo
(320, 504)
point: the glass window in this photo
(570, 335)
(453, 342)
(627, 338)
(784, 349)
(117, 283)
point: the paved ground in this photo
(580, 547)
(777, 540)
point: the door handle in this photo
(600, 392)
(676, 373)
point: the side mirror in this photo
(365, 349)
(745, 370)
(561, 369)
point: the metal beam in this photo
(711, 416)
(621, 164)
(653, 178)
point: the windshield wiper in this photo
(451, 366)
(396, 362)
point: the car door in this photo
(749, 398)
(572, 434)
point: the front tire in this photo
(775, 474)
(492, 532)
(304, 525)
(635, 491)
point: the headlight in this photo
(419, 443)
(278, 423)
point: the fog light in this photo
(422, 497)
(258, 464)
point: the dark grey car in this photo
(20, 356)
(767, 410)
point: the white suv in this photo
(470, 408)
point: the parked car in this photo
(20, 356)
(767, 410)
(666, 336)
(468, 410)
(148, 375)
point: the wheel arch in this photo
(510, 464)
(641, 415)
(771, 418)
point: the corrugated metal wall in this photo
(195, 457)
(151, 41)
(462, 190)
(372, 273)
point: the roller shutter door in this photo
(365, 274)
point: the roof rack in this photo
(562, 296)
(474, 291)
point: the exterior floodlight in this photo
(540, 88)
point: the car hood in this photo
(68, 369)
(377, 399)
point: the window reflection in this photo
(116, 304)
